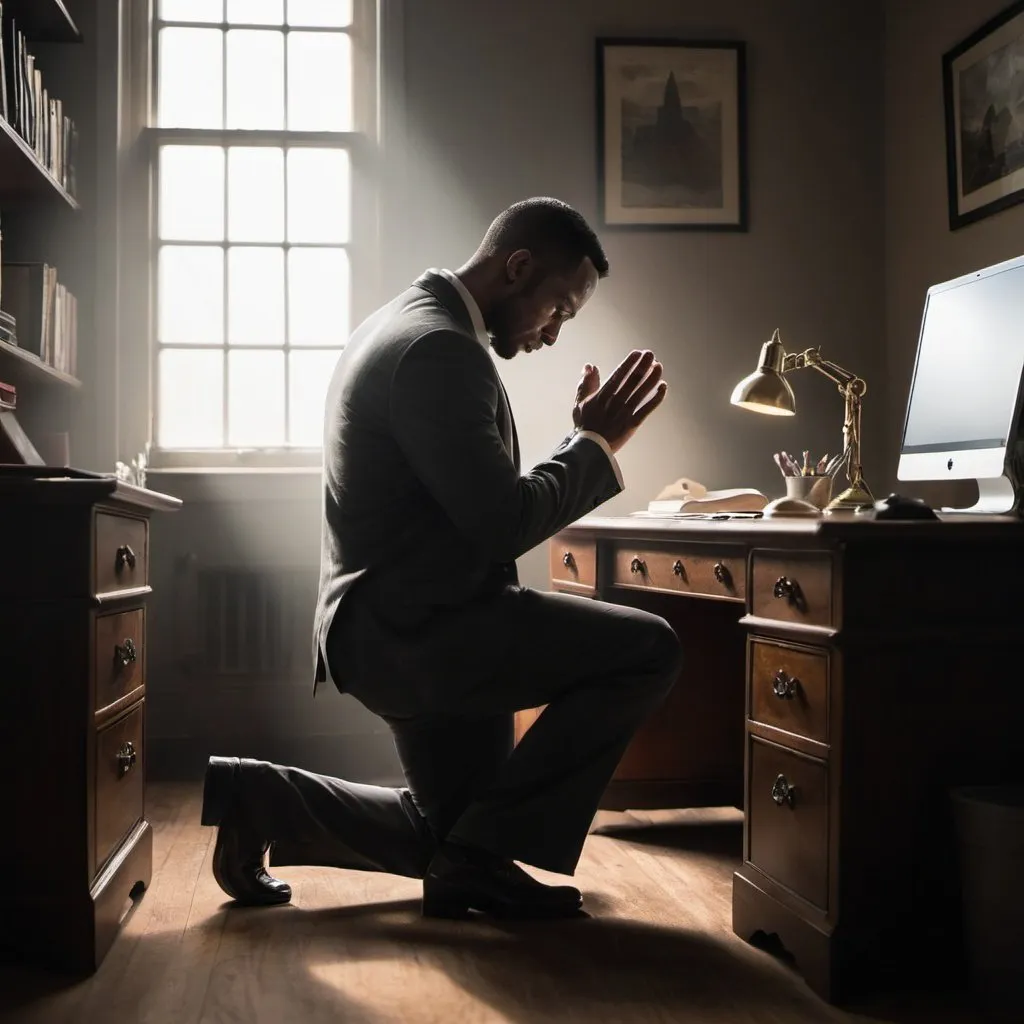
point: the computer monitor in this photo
(964, 407)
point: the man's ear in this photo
(518, 266)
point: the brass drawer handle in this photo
(126, 758)
(783, 791)
(125, 557)
(788, 589)
(785, 686)
(637, 566)
(678, 569)
(126, 652)
(568, 561)
(722, 574)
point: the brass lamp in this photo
(767, 391)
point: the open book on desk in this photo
(689, 497)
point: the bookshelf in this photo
(22, 176)
(23, 369)
(43, 21)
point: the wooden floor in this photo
(352, 947)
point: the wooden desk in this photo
(841, 676)
(74, 585)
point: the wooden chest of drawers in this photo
(74, 582)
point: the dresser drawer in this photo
(697, 569)
(120, 553)
(119, 781)
(793, 587)
(787, 807)
(573, 561)
(119, 661)
(789, 688)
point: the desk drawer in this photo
(119, 658)
(573, 561)
(703, 570)
(787, 807)
(793, 587)
(789, 689)
(119, 781)
(120, 553)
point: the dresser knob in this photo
(785, 686)
(126, 757)
(637, 566)
(722, 574)
(567, 560)
(125, 557)
(789, 590)
(678, 569)
(783, 791)
(125, 653)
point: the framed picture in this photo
(671, 131)
(984, 98)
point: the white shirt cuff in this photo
(607, 450)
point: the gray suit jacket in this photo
(424, 504)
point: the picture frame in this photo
(672, 134)
(984, 112)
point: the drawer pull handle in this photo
(637, 566)
(785, 686)
(722, 574)
(788, 589)
(125, 557)
(678, 569)
(126, 757)
(568, 561)
(783, 791)
(126, 652)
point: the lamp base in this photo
(851, 499)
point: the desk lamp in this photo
(766, 390)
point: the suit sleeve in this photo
(444, 400)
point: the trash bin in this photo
(990, 836)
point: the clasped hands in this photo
(616, 408)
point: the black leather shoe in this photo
(238, 857)
(459, 880)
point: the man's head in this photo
(537, 265)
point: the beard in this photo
(502, 329)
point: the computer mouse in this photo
(897, 506)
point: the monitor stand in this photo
(996, 496)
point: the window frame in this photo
(363, 247)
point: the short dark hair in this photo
(550, 229)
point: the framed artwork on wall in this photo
(671, 134)
(983, 85)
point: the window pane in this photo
(191, 399)
(255, 398)
(256, 12)
(318, 195)
(309, 373)
(319, 81)
(191, 203)
(192, 10)
(322, 13)
(255, 296)
(255, 194)
(318, 296)
(189, 88)
(190, 295)
(255, 79)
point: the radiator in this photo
(235, 621)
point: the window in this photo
(261, 116)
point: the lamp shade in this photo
(766, 390)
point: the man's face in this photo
(539, 301)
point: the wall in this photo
(500, 104)
(920, 248)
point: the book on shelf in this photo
(8, 396)
(685, 496)
(45, 312)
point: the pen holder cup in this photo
(815, 489)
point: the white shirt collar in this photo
(475, 316)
